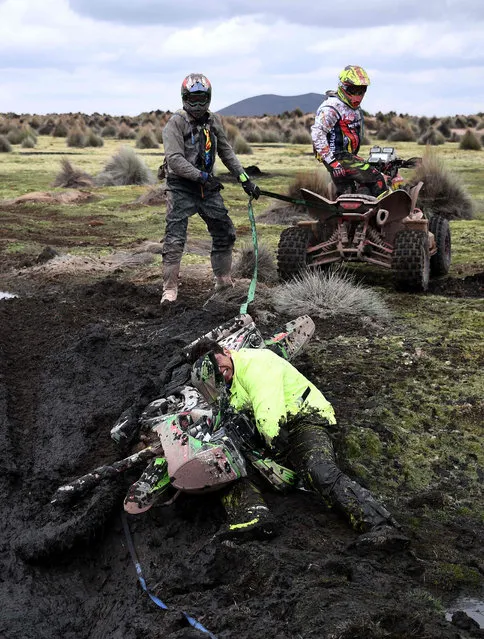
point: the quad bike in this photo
(389, 231)
(202, 449)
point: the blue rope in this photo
(132, 551)
(253, 282)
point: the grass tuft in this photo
(125, 167)
(470, 142)
(5, 146)
(443, 192)
(266, 266)
(333, 292)
(72, 178)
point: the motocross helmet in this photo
(352, 85)
(196, 93)
(207, 378)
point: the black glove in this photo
(251, 189)
(213, 184)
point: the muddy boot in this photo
(247, 514)
(153, 486)
(170, 282)
(221, 266)
(384, 537)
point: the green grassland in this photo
(411, 394)
(23, 171)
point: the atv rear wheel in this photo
(411, 260)
(440, 262)
(292, 256)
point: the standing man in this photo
(192, 138)
(337, 134)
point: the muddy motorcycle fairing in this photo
(194, 465)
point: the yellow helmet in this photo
(353, 81)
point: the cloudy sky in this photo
(424, 57)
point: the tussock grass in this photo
(266, 265)
(125, 132)
(72, 178)
(5, 146)
(241, 146)
(154, 196)
(76, 138)
(470, 141)
(28, 142)
(146, 139)
(333, 292)
(317, 181)
(125, 167)
(432, 137)
(443, 192)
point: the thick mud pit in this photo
(73, 357)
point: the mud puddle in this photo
(71, 361)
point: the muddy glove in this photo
(213, 184)
(249, 187)
(337, 170)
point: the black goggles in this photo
(354, 89)
(197, 98)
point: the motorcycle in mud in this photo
(196, 448)
(389, 231)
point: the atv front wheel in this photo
(292, 255)
(440, 262)
(411, 260)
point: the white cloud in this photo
(121, 56)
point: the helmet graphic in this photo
(207, 378)
(196, 93)
(352, 85)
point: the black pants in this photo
(311, 454)
(362, 173)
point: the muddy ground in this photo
(74, 353)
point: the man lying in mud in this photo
(295, 419)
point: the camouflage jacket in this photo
(191, 146)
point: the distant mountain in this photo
(274, 104)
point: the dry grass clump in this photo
(432, 137)
(299, 135)
(76, 138)
(5, 146)
(28, 143)
(154, 196)
(72, 178)
(125, 167)
(318, 181)
(241, 146)
(60, 130)
(470, 141)
(125, 132)
(93, 139)
(146, 139)
(266, 266)
(333, 292)
(109, 131)
(443, 192)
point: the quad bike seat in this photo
(359, 197)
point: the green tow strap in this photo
(253, 282)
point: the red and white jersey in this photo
(337, 129)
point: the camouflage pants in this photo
(359, 171)
(183, 202)
(311, 453)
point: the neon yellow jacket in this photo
(272, 388)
